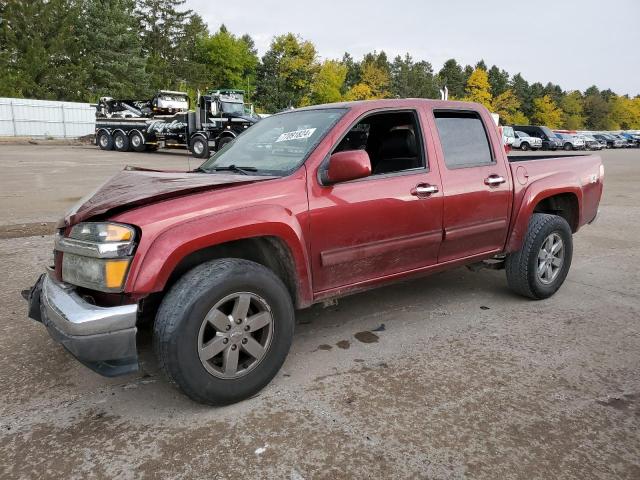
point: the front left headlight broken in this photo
(97, 255)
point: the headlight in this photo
(97, 255)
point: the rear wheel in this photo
(540, 267)
(121, 142)
(568, 146)
(224, 330)
(137, 142)
(524, 146)
(223, 141)
(199, 146)
(105, 141)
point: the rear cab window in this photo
(464, 139)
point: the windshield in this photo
(232, 107)
(521, 134)
(276, 145)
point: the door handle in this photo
(494, 180)
(424, 190)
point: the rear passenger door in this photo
(476, 186)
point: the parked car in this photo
(571, 142)
(601, 139)
(549, 140)
(632, 139)
(304, 207)
(610, 140)
(592, 143)
(627, 142)
(525, 142)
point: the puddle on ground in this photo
(343, 344)
(367, 337)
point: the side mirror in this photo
(347, 165)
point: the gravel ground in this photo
(450, 376)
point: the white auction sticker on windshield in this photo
(296, 135)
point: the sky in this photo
(574, 44)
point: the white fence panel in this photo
(44, 118)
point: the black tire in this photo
(222, 142)
(136, 141)
(521, 266)
(121, 142)
(524, 146)
(182, 312)
(568, 146)
(105, 141)
(199, 147)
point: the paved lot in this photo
(465, 380)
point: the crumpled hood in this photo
(134, 186)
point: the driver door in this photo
(380, 226)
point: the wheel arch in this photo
(565, 202)
(135, 130)
(273, 238)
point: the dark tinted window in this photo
(464, 139)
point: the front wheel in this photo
(567, 147)
(224, 330)
(540, 267)
(524, 146)
(137, 142)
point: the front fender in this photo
(531, 195)
(157, 258)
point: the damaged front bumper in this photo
(102, 338)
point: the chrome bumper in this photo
(102, 338)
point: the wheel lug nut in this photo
(238, 321)
(246, 328)
(228, 327)
(244, 340)
(225, 340)
(233, 347)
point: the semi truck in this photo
(165, 121)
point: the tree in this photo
(409, 79)
(478, 88)
(112, 61)
(571, 105)
(230, 61)
(353, 72)
(451, 76)
(360, 91)
(285, 75)
(624, 113)
(545, 112)
(507, 106)
(327, 85)
(499, 80)
(522, 90)
(596, 110)
(162, 29)
(41, 50)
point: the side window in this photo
(464, 139)
(393, 141)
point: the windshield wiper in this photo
(233, 168)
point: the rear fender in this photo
(533, 194)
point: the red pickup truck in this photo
(305, 206)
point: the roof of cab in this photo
(364, 105)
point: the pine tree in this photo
(162, 29)
(451, 76)
(112, 58)
(499, 80)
